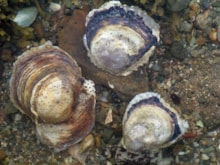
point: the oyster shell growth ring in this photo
(120, 38)
(47, 85)
(149, 123)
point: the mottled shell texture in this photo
(150, 124)
(120, 38)
(47, 85)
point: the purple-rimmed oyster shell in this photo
(120, 38)
(149, 123)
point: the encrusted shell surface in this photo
(47, 85)
(149, 123)
(120, 38)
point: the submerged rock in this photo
(178, 50)
(177, 5)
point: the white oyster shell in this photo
(120, 38)
(150, 124)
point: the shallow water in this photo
(185, 64)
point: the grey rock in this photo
(216, 4)
(178, 51)
(185, 26)
(177, 5)
(205, 4)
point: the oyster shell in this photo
(149, 123)
(47, 85)
(120, 38)
(133, 84)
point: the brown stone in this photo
(3, 155)
(6, 55)
(71, 39)
(39, 29)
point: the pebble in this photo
(198, 52)
(3, 155)
(26, 16)
(212, 133)
(39, 29)
(155, 67)
(109, 163)
(216, 4)
(205, 4)
(213, 157)
(178, 51)
(213, 34)
(75, 152)
(6, 55)
(88, 143)
(200, 124)
(196, 161)
(165, 161)
(204, 157)
(181, 153)
(17, 117)
(195, 144)
(22, 44)
(4, 144)
(203, 142)
(185, 26)
(203, 20)
(54, 7)
(209, 149)
(104, 97)
(177, 5)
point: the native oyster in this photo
(149, 124)
(120, 38)
(47, 85)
